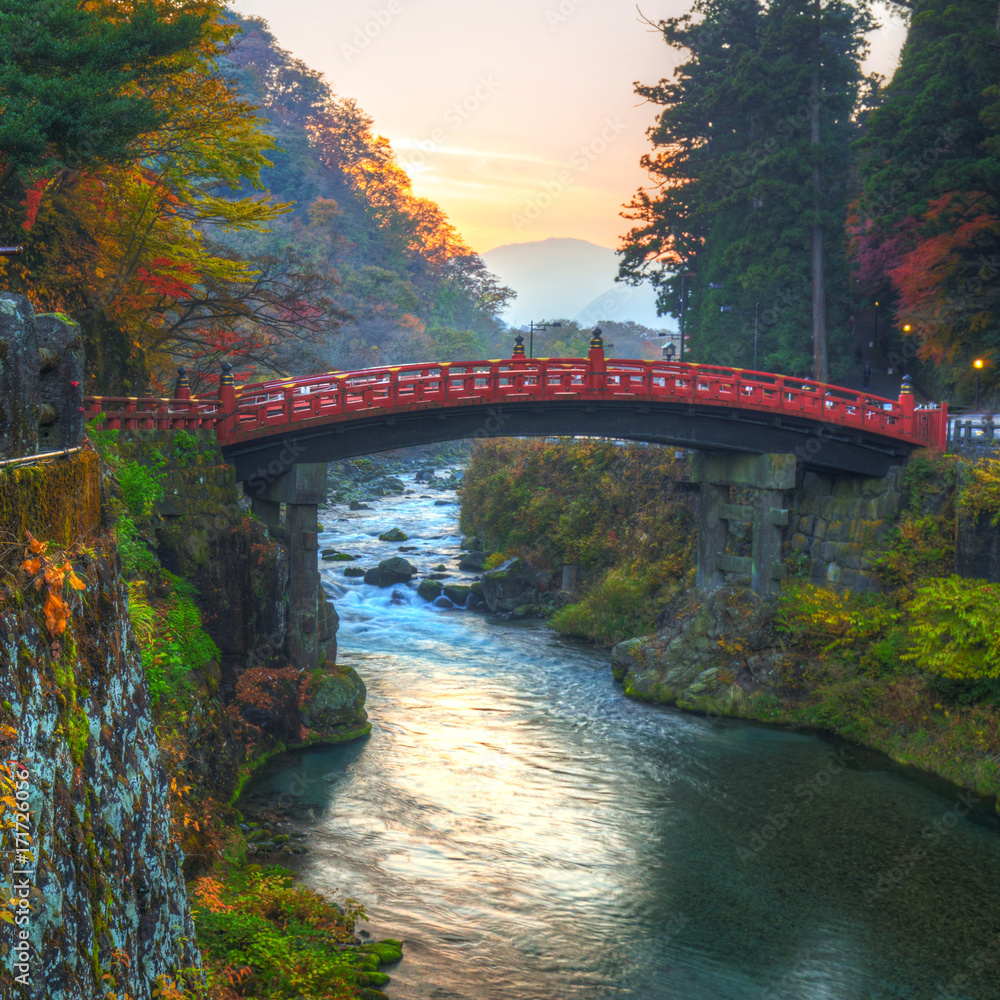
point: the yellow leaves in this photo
(54, 575)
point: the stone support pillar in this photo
(302, 489)
(770, 476)
(712, 531)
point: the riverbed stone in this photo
(389, 571)
(457, 593)
(473, 561)
(510, 585)
(430, 589)
(394, 535)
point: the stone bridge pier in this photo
(770, 477)
(312, 619)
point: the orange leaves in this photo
(208, 892)
(55, 574)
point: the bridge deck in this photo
(381, 408)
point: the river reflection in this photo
(531, 834)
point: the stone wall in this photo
(837, 523)
(41, 380)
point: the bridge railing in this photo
(341, 394)
(243, 412)
(154, 412)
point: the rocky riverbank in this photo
(854, 663)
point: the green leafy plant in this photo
(140, 488)
(955, 628)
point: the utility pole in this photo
(821, 368)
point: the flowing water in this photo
(531, 834)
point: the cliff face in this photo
(98, 868)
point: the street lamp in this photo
(531, 334)
(669, 350)
(684, 276)
(978, 365)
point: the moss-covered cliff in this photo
(96, 860)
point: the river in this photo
(531, 834)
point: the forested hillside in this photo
(189, 192)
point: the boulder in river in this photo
(336, 701)
(510, 585)
(358, 505)
(354, 571)
(393, 535)
(457, 593)
(429, 590)
(390, 571)
(473, 562)
(471, 542)
(332, 555)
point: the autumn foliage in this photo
(55, 575)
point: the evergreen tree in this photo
(751, 171)
(927, 225)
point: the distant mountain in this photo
(570, 279)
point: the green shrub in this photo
(955, 628)
(820, 620)
(623, 604)
(140, 488)
(137, 559)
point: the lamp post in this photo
(669, 350)
(978, 365)
(531, 334)
(756, 317)
(684, 276)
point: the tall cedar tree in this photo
(735, 206)
(926, 228)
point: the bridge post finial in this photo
(226, 417)
(907, 403)
(183, 387)
(518, 356)
(595, 360)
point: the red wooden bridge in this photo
(266, 427)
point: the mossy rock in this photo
(336, 700)
(394, 535)
(429, 590)
(457, 594)
(354, 571)
(332, 555)
(367, 993)
(388, 950)
(378, 978)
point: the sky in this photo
(518, 117)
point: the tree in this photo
(750, 178)
(75, 79)
(925, 230)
